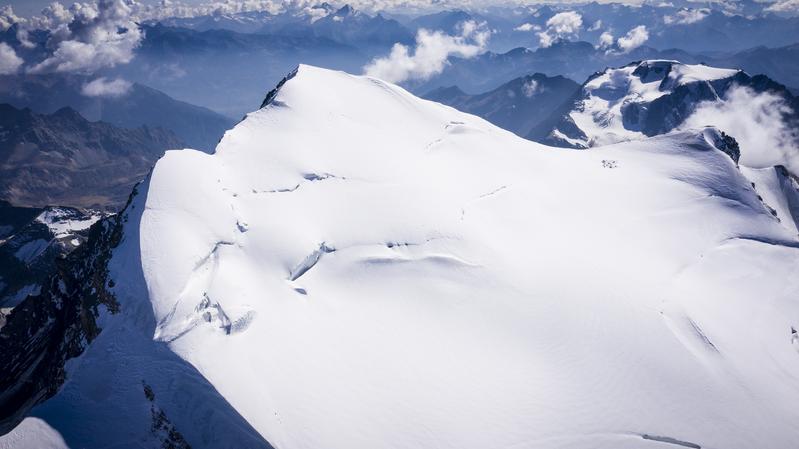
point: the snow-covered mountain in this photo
(574, 60)
(653, 97)
(356, 268)
(31, 240)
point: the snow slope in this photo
(356, 268)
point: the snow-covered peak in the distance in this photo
(615, 105)
(675, 72)
(64, 222)
(356, 268)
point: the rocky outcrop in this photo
(45, 330)
(31, 241)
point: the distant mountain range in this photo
(518, 105)
(223, 61)
(225, 70)
(64, 159)
(345, 25)
(579, 60)
(780, 64)
(574, 60)
(195, 126)
(687, 25)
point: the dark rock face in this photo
(728, 145)
(161, 425)
(270, 96)
(31, 241)
(47, 329)
(65, 159)
(518, 105)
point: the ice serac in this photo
(355, 268)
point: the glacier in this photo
(355, 267)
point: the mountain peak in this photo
(69, 113)
(645, 98)
(346, 11)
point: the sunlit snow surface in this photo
(359, 268)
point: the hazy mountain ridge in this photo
(518, 105)
(64, 159)
(136, 106)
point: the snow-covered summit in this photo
(638, 100)
(356, 267)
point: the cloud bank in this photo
(88, 37)
(758, 122)
(429, 58)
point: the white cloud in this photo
(101, 87)
(8, 18)
(633, 39)
(562, 25)
(96, 36)
(531, 88)
(687, 16)
(757, 122)
(430, 55)
(596, 26)
(527, 27)
(605, 40)
(55, 16)
(789, 7)
(9, 61)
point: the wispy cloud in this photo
(633, 39)
(686, 16)
(102, 87)
(758, 123)
(9, 61)
(563, 25)
(788, 7)
(527, 27)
